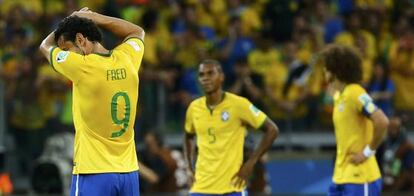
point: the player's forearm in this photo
(271, 133)
(148, 174)
(380, 122)
(47, 44)
(188, 148)
(119, 27)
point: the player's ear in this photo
(222, 77)
(80, 39)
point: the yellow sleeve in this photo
(363, 102)
(251, 115)
(188, 125)
(69, 64)
(134, 48)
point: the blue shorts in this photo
(368, 189)
(244, 193)
(107, 184)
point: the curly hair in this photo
(343, 62)
(71, 25)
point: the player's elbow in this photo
(381, 122)
(43, 48)
(272, 131)
(137, 32)
(384, 123)
(275, 132)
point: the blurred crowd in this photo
(268, 49)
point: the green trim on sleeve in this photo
(51, 58)
(262, 124)
(104, 55)
(134, 38)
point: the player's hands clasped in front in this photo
(240, 179)
(358, 158)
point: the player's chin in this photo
(208, 90)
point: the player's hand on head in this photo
(86, 9)
(358, 158)
(84, 13)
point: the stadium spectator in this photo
(381, 88)
(278, 19)
(398, 158)
(361, 39)
(287, 89)
(263, 58)
(27, 119)
(247, 83)
(234, 46)
(158, 157)
(401, 58)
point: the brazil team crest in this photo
(225, 116)
(61, 56)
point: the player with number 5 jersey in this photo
(105, 95)
(220, 121)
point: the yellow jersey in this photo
(220, 139)
(105, 96)
(403, 60)
(261, 61)
(353, 131)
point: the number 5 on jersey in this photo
(212, 135)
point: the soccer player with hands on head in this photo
(105, 95)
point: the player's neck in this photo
(98, 48)
(340, 86)
(214, 98)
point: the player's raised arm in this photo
(47, 45)
(119, 27)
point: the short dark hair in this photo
(343, 62)
(216, 63)
(71, 25)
